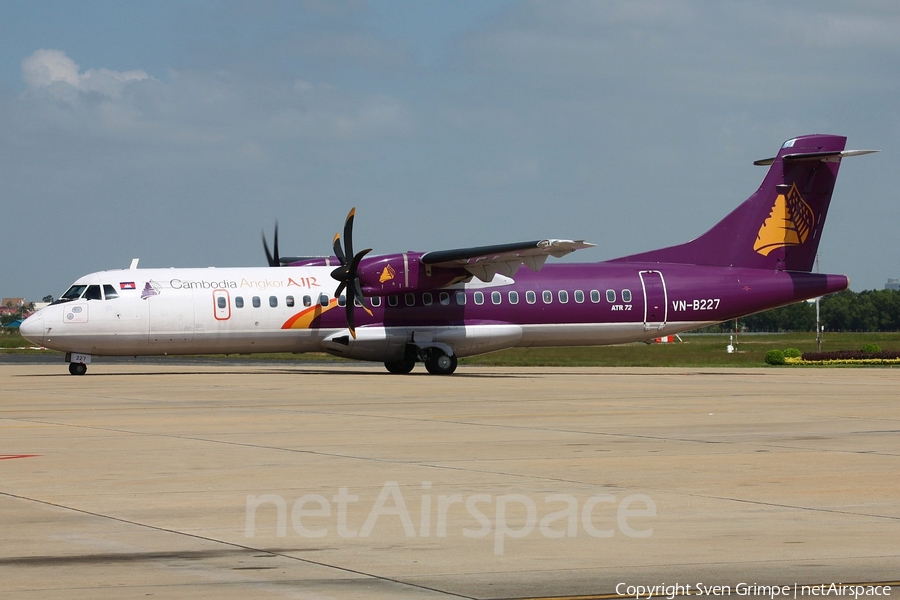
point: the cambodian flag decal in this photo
(126, 285)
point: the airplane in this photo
(435, 307)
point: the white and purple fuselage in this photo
(436, 306)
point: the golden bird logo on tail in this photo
(788, 224)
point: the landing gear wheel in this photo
(400, 367)
(439, 363)
(77, 368)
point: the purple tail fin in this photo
(779, 226)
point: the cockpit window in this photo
(93, 293)
(73, 293)
(109, 292)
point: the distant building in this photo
(892, 284)
(15, 306)
(10, 306)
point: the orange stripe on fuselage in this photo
(304, 318)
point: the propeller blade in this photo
(266, 248)
(348, 232)
(275, 255)
(357, 289)
(272, 257)
(354, 264)
(338, 251)
(350, 319)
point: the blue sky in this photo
(175, 131)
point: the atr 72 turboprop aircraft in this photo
(436, 306)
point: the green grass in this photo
(702, 350)
(699, 350)
(12, 339)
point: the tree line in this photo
(869, 310)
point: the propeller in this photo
(347, 275)
(272, 257)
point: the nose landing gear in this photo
(77, 368)
(78, 362)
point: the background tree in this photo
(869, 310)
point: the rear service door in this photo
(655, 301)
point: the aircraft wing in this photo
(485, 261)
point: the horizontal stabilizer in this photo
(823, 156)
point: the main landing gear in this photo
(400, 367)
(437, 361)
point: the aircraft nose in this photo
(32, 329)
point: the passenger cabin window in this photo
(342, 300)
(579, 296)
(626, 295)
(513, 297)
(595, 296)
(496, 297)
(109, 292)
(547, 296)
(426, 299)
(410, 299)
(393, 300)
(289, 301)
(375, 301)
(563, 296)
(530, 297)
(256, 302)
(461, 298)
(221, 302)
(239, 302)
(307, 301)
(479, 298)
(445, 299)
(273, 301)
(323, 300)
(610, 296)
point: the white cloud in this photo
(53, 71)
(202, 109)
(44, 67)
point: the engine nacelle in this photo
(371, 343)
(401, 273)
